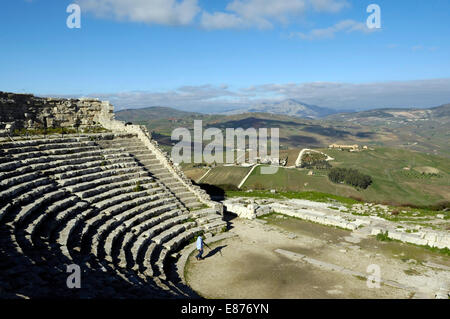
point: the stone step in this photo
(48, 147)
(15, 180)
(118, 221)
(27, 190)
(62, 218)
(101, 190)
(123, 197)
(70, 168)
(161, 228)
(110, 212)
(172, 232)
(193, 205)
(62, 152)
(18, 171)
(64, 235)
(75, 171)
(209, 218)
(135, 226)
(102, 181)
(113, 171)
(37, 142)
(150, 187)
(51, 210)
(30, 208)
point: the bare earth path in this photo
(249, 267)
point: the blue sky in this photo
(208, 55)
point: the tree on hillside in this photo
(350, 176)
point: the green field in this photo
(391, 182)
(226, 175)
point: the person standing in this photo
(200, 244)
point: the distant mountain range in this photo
(293, 108)
(423, 130)
(289, 107)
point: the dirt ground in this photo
(249, 267)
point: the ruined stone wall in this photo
(19, 111)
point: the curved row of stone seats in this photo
(100, 172)
(72, 172)
(68, 253)
(147, 248)
(153, 234)
(57, 167)
(38, 140)
(9, 182)
(145, 219)
(144, 156)
(111, 190)
(21, 190)
(51, 211)
(52, 148)
(78, 188)
(64, 152)
(172, 245)
(108, 210)
(24, 218)
(171, 241)
(101, 231)
(54, 161)
(102, 190)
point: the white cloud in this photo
(264, 13)
(346, 26)
(261, 14)
(209, 98)
(221, 20)
(165, 12)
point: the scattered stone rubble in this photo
(330, 215)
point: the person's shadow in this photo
(214, 251)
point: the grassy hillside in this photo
(392, 183)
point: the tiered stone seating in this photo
(101, 201)
(138, 150)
